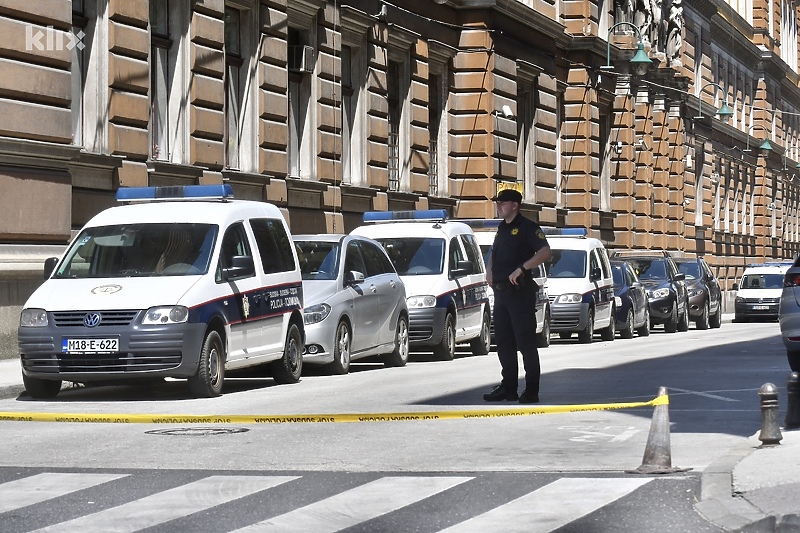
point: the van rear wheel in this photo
(41, 389)
(207, 382)
(288, 368)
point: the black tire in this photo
(41, 389)
(715, 320)
(565, 335)
(399, 357)
(446, 349)
(683, 322)
(342, 343)
(794, 360)
(644, 331)
(207, 382)
(288, 368)
(627, 331)
(671, 325)
(702, 321)
(543, 338)
(481, 344)
(609, 332)
(586, 334)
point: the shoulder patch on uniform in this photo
(540, 233)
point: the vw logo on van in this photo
(106, 289)
(90, 320)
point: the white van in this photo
(758, 292)
(183, 282)
(441, 266)
(580, 286)
(485, 231)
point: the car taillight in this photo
(792, 280)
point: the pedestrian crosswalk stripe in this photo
(171, 504)
(357, 505)
(551, 507)
(41, 487)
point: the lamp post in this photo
(723, 113)
(765, 147)
(640, 62)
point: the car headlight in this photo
(316, 313)
(740, 300)
(695, 292)
(569, 298)
(34, 318)
(420, 302)
(660, 293)
(166, 314)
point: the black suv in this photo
(665, 285)
(705, 296)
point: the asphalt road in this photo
(712, 378)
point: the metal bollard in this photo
(770, 430)
(792, 401)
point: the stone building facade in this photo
(329, 108)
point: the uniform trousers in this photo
(515, 331)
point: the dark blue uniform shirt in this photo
(514, 244)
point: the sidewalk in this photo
(752, 489)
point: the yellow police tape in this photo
(347, 417)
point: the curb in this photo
(11, 391)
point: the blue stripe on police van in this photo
(249, 306)
(465, 297)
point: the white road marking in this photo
(356, 505)
(550, 507)
(171, 504)
(41, 487)
(704, 394)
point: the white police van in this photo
(441, 266)
(183, 282)
(485, 231)
(580, 286)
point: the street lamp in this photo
(723, 113)
(765, 147)
(640, 62)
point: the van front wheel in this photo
(288, 368)
(446, 349)
(41, 389)
(207, 382)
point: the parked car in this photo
(789, 315)
(666, 288)
(758, 293)
(355, 302)
(485, 241)
(633, 313)
(705, 295)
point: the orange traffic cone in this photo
(657, 454)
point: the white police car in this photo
(441, 266)
(485, 231)
(580, 286)
(184, 282)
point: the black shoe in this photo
(528, 397)
(499, 394)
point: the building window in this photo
(160, 44)
(300, 152)
(434, 125)
(608, 152)
(78, 77)
(233, 92)
(348, 117)
(395, 112)
(526, 140)
(789, 33)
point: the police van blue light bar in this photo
(565, 232)
(389, 216)
(174, 192)
(481, 223)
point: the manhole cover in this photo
(197, 432)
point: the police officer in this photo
(519, 246)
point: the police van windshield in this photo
(416, 256)
(132, 250)
(318, 260)
(762, 281)
(567, 264)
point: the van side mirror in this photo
(463, 268)
(49, 266)
(242, 266)
(680, 276)
(595, 274)
(736, 286)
